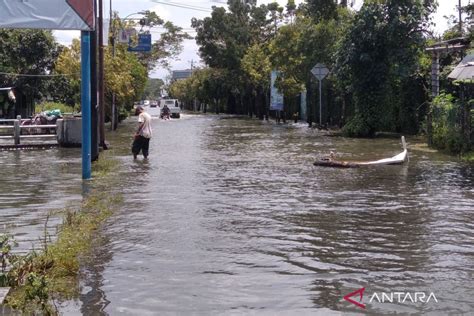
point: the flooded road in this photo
(33, 184)
(229, 216)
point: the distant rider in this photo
(166, 111)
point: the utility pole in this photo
(194, 101)
(113, 125)
(460, 18)
(101, 77)
(94, 112)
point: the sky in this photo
(170, 10)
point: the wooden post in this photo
(17, 130)
(466, 119)
(434, 93)
(435, 74)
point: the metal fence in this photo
(17, 131)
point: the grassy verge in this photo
(469, 157)
(43, 277)
(105, 165)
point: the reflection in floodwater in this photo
(230, 216)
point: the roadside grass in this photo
(40, 278)
(105, 165)
(468, 157)
(44, 277)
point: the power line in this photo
(28, 75)
(184, 6)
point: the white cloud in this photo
(161, 11)
(66, 37)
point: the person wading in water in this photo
(143, 134)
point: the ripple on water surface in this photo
(230, 216)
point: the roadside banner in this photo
(47, 14)
(276, 98)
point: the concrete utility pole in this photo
(194, 101)
(460, 18)
(94, 107)
(101, 77)
(113, 125)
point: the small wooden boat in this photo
(395, 160)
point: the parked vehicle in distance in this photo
(153, 103)
(146, 102)
(173, 105)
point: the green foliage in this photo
(447, 133)
(68, 64)
(30, 52)
(105, 165)
(225, 38)
(36, 291)
(377, 56)
(38, 277)
(321, 9)
(256, 65)
(468, 157)
(357, 127)
(48, 106)
(152, 89)
(7, 242)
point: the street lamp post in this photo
(113, 31)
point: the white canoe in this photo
(395, 160)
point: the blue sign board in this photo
(144, 44)
(276, 98)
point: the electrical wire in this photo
(27, 75)
(183, 6)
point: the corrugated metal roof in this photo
(465, 69)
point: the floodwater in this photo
(229, 216)
(34, 185)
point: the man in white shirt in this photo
(143, 134)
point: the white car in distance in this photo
(173, 105)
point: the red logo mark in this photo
(361, 294)
(85, 9)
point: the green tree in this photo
(30, 52)
(321, 9)
(224, 39)
(68, 64)
(153, 89)
(378, 55)
(257, 66)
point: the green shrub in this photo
(357, 127)
(47, 106)
(447, 132)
